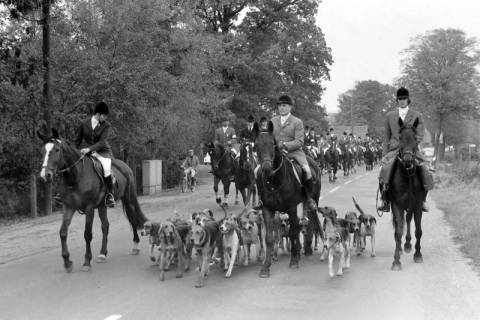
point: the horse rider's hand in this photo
(84, 151)
(283, 148)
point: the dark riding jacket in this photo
(95, 139)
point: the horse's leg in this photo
(102, 213)
(226, 191)
(236, 196)
(245, 196)
(294, 235)
(87, 234)
(417, 256)
(267, 262)
(398, 223)
(408, 246)
(215, 189)
(66, 220)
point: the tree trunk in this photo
(46, 88)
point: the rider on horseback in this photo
(289, 135)
(94, 132)
(248, 134)
(190, 165)
(226, 136)
(391, 145)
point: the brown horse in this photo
(244, 176)
(223, 169)
(83, 190)
(406, 194)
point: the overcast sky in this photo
(367, 36)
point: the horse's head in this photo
(265, 145)
(52, 154)
(247, 160)
(408, 143)
(216, 152)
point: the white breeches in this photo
(106, 164)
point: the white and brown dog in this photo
(253, 231)
(201, 217)
(337, 241)
(282, 240)
(205, 239)
(366, 228)
(231, 242)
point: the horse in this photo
(83, 190)
(223, 168)
(406, 194)
(279, 189)
(369, 158)
(346, 158)
(244, 175)
(331, 162)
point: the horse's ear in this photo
(400, 122)
(42, 136)
(55, 134)
(270, 126)
(415, 123)
(255, 128)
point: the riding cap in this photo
(250, 118)
(101, 108)
(285, 99)
(402, 92)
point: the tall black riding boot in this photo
(310, 204)
(109, 199)
(383, 204)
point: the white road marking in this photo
(114, 317)
(349, 181)
(334, 189)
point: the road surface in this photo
(34, 284)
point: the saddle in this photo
(300, 174)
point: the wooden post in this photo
(33, 196)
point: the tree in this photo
(440, 71)
(366, 104)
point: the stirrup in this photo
(424, 207)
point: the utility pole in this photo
(46, 89)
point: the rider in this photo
(248, 134)
(190, 165)
(311, 141)
(226, 136)
(391, 145)
(289, 134)
(94, 132)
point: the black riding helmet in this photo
(101, 108)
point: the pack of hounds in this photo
(230, 240)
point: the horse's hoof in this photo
(68, 266)
(198, 285)
(162, 276)
(101, 258)
(178, 276)
(396, 266)
(264, 274)
(418, 258)
(407, 248)
(86, 268)
(135, 251)
(153, 259)
(373, 255)
(293, 265)
(339, 274)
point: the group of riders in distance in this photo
(270, 158)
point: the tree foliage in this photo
(169, 69)
(440, 68)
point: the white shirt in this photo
(94, 122)
(402, 112)
(284, 118)
(224, 130)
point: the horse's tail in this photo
(131, 207)
(357, 206)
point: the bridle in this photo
(56, 171)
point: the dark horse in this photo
(222, 168)
(331, 162)
(83, 189)
(406, 194)
(346, 158)
(244, 176)
(280, 190)
(369, 158)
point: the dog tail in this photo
(357, 206)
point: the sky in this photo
(367, 37)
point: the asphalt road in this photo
(34, 285)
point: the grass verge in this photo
(457, 194)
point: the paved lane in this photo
(35, 286)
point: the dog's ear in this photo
(194, 215)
